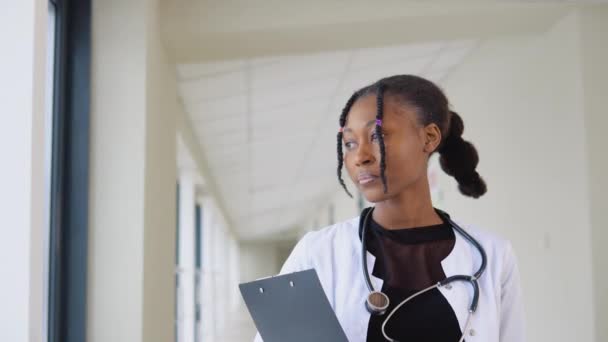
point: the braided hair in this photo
(458, 157)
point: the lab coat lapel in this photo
(354, 315)
(371, 259)
(459, 294)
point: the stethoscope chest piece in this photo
(377, 303)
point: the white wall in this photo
(234, 268)
(594, 33)
(23, 34)
(521, 100)
(344, 207)
(258, 260)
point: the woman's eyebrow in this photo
(368, 124)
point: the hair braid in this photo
(345, 111)
(379, 116)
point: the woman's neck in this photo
(409, 209)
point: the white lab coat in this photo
(335, 253)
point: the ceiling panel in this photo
(450, 58)
(364, 76)
(393, 54)
(293, 95)
(295, 70)
(214, 86)
(216, 108)
(186, 72)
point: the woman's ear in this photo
(432, 138)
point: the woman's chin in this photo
(373, 195)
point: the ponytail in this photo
(459, 159)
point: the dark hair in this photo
(458, 157)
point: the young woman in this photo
(403, 270)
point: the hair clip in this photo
(378, 122)
(341, 129)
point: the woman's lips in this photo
(366, 178)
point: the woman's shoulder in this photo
(495, 244)
(317, 245)
(331, 234)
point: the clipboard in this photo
(292, 307)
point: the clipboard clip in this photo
(291, 284)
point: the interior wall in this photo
(522, 103)
(343, 207)
(258, 260)
(594, 31)
(234, 276)
(23, 147)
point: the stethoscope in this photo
(377, 302)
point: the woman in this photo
(387, 133)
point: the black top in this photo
(409, 260)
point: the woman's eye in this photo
(375, 136)
(348, 145)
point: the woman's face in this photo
(406, 148)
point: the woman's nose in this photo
(364, 155)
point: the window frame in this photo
(69, 197)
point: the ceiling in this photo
(264, 95)
(212, 30)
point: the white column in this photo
(131, 284)
(208, 294)
(186, 265)
(234, 274)
(22, 149)
(201, 286)
(220, 271)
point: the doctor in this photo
(403, 270)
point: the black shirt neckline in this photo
(415, 235)
(408, 236)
